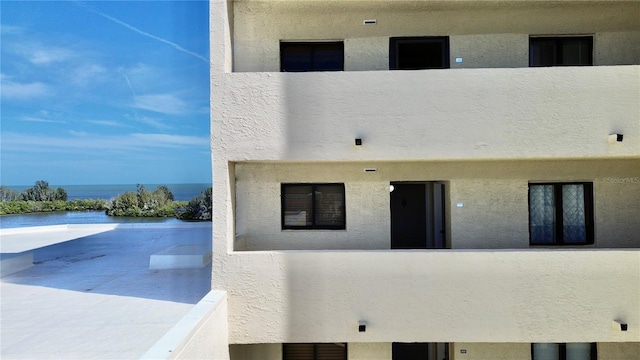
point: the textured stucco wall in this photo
(256, 352)
(483, 33)
(493, 351)
(494, 195)
(439, 114)
(619, 351)
(455, 296)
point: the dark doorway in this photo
(415, 53)
(418, 215)
(420, 351)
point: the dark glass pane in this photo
(542, 214)
(414, 54)
(328, 57)
(329, 209)
(545, 351)
(578, 351)
(576, 52)
(573, 214)
(298, 206)
(542, 52)
(297, 351)
(295, 57)
(331, 351)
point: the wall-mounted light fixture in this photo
(362, 326)
(623, 325)
(358, 142)
(615, 138)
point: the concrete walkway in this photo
(94, 297)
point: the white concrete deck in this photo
(91, 295)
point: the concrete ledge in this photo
(181, 257)
(201, 334)
(12, 263)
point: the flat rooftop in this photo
(91, 294)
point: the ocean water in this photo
(181, 192)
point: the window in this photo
(314, 351)
(564, 351)
(311, 56)
(413, 53)
(561, 214)
(561, 51)
(313, 206)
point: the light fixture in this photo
(623, 326)
(362, 326)
(614, 138)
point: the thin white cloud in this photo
(45, 55)
(107, 123)
(23, 91)
(20, 142)
(151, 36)
(41, 119)
(87, 73)
(171, 140)
(161, 103)
(6, 29)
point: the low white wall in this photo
(494, 195)
(416, 115)
(432, 296)
(201, 334)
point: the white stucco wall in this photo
(455, 296)
(494, 194)
(484, 34)
(438, 114)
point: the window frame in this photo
(395, 41)
(313, 226)
(562, 351)
(315, 349)
(558, 220)
(559, 43)
(313, 45)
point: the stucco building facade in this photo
(427, 179)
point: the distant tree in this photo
(42, 192)
(143, 203)
(7, 194)
(165, 191)
(61, 194)
(199, 208)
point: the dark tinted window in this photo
(311, 56)
(413, 53)
(313, 206)
(561, 51)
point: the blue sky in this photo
(100, 92)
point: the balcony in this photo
(437, 296)
(448, 114)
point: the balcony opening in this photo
(415, 53)
(418, 215)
